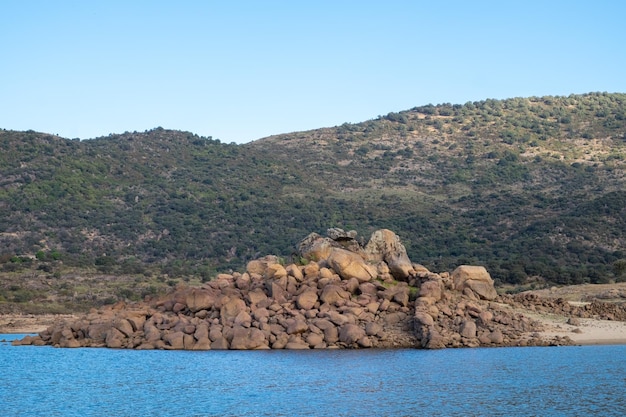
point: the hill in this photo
(528, 187)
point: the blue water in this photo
(558, 381)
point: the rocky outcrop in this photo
(448, 315)
(345, 296)
(343, 253)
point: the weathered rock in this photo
(277, 292)
(338, 234)
(432, 289)
(201, 332)
(256, 296)
(275, 271)
(204, 344)
(315, 340)
(385, 245)
(365, 342)
(297, 326)
(468, 329)
(295, 272)
(247, 338)
(230, 310)
(311, 270)
(373, 306)
(434, 340)
(485, 317)
(98, 329)
(243, 281)
(243, 319)
(374, 329)
(573, 321)
(26, 341)
(350, 265)
(401, 295)
(394, 318)
(178, 307)
(297, 345)
(424, 318)
(124, 326)
(151, 333)
(325, 274)
(337, 318)
(368, 288)
(261, 315)
(333, 294)
(215, 332)
(307, 299)
(477, 279)
(315, 248)
(114, 338)
(220, 344)
(331, 335)
(496, 337)
(350, 333)
(259, 266)
(352, 285)
(200, 299)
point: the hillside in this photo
(526, 186)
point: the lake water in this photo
(559, 381)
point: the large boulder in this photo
(275, 271)
(315, 247)
(468, 329)
(350, 265)
(385, 245)
(307, 299)
(256, 296)
(230, 310)
(123, 326)
(433, 289)
(248, 338)
(259, 266)
(350, 333)
(175, 340)
(477, 279)
(200, 299)
(334, 295)
(343, 239)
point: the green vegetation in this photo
(525, 186)
(34, 291)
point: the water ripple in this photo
(463, 382)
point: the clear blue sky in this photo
(243, 70)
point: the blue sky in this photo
(243, 70)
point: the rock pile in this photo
(347, 295)
(591, 310)
(463, 310)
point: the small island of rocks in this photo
(341, 294)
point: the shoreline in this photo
(588, 333)
(30, 323)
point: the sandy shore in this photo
(588, 332)
(29, 323)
